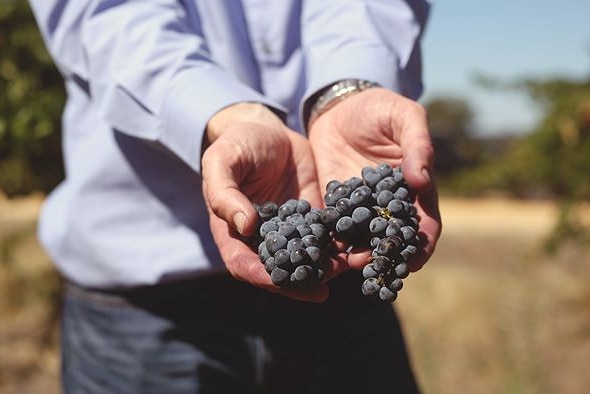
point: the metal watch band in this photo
(337, 93)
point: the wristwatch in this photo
(336, 93)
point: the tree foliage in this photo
(31, 102)
(553, 160)
(451, 124)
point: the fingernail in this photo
(239, 221)
(426, 175)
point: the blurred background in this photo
(502, 307)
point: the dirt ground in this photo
(490, 313)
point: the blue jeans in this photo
(218, 335)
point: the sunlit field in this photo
(490, 313)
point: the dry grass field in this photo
(490, 313)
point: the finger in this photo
(358, 258)
(410, 126)
(337, 264)
(305, 170)
(221, 180)
(430, 228)
(417, 164)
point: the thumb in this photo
(417, 165)
(418, 152)
(223, 196)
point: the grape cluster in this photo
(376, 210)
(292, 242)
(373, 211)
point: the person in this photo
(180, 115)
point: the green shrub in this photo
(31, 103)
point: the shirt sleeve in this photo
(374, 40)
(146, 65)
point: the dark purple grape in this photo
(402, 271)
(374, 242)
(381, 264)
(392, 230)
(378, 225)
(313, 216)
(367, 170)
(296, 219)
(270, 264)
(384, 197)
(267, 227)
(387, 295)
(387, 183)
(294, 244)
(354, 182)
(361, 216)
(267, 210)
(299, 257)
(384, 169)
(396, 285)
(341, 192)
(330, 216)
(314, 253)
(371, 179)
(343, 206)
(282, 259)
(395, 207)
(302, 273)
(332, 185)
(371, 287)
(303, 207)
(409, 252)
(263, 252)
(408, 233)
(345, 227)
(388, 247)
(279, 277)
(401, 193)
(360, 196)
(303, 230)
(319, 230)
(369, 271)
(275, 241)
(287, 209)
(310, 240)
(287, 230)
(330, 199)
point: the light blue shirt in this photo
(144, 77)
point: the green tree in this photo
(553, 160)
(31, 103)
(451, 124)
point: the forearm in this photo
(147, 67)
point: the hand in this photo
(253, 157)
(379, 126)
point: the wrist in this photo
(335, 94)
(250, 112)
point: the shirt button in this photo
(266, 48)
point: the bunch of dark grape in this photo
(376, 211)
(373, 211)
(292, 243)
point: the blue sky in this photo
(504, 39)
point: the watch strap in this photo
(337, 93)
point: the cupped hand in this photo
(379, 126)
(252, 157)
